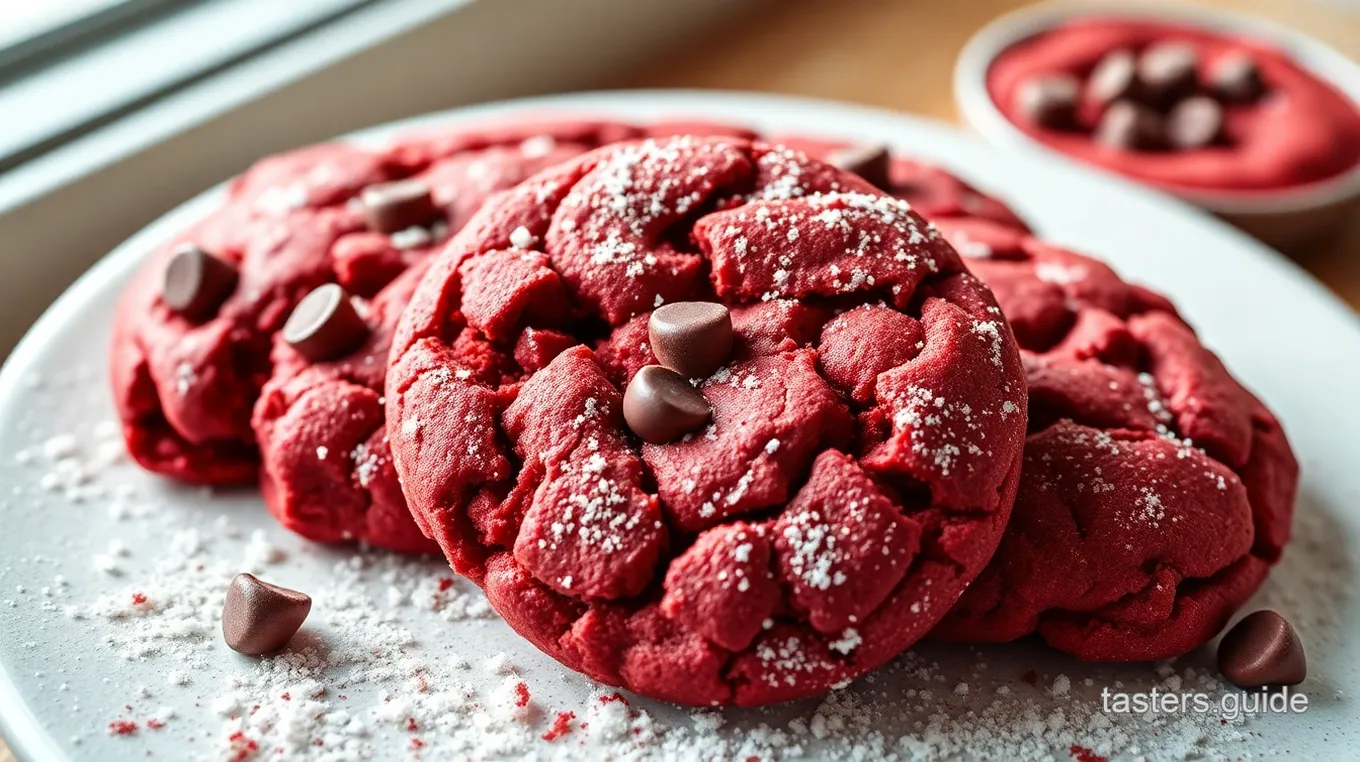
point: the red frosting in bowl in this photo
(1302, 131)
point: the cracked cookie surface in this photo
(1157, 491)
(826, 517)
(184, 387)
(326, 467)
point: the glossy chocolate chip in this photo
(1114, 78)
(691, 338)
(325, 325)
(870, 161)
(1167, 72)
(661, 406)
(393, 207)
(259, 617)
(1049, 100)
(1194, 123)
(196, 282)
(1236, 78)
(1130, 126)
(1262, 650)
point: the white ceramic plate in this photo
(77, 653)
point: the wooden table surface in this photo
(900, 53)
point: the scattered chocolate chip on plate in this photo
(1262, 650)
(258, 617)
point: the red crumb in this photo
(287, 697)
(561, 726)
(122, 728)
(416, 743)
(1083, 754)
(138, 599)
(155, 724)
(753, 758)
(611, 698)
(445, 583)
(411, 724)
(521, 694)
(1031, 677)
(241, 747)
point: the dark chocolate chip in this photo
(1114, 78)
(325, 325)
(196, 282)
(872, 162)
(259, 617)
(1130, 126)
(1194, 123)
(691, 338)
(396, 206)
(1167, 72)
(1049, 100)
(1236, 78)
(661, 406)
(1262, 650)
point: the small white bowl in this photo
(1290, 219)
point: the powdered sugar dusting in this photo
(400, 660)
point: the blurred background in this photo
(114, 111)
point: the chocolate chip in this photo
(1114, 78)
(325, 325)
(1262, 650)
(1049, 100)
(1167, 72)
(1194, 123)
(660, 405)
(1131, 126)
(393, 207)
(196, 282)
(691, 338)
(871, 161)
(1236, 78)
(259, 617)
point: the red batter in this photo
(1301, 131)
(861, 457)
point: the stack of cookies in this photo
(713, 417)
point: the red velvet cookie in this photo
(326, 468)
(933, 192)
(861, 457)
(188, 361)
(1156, 491)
